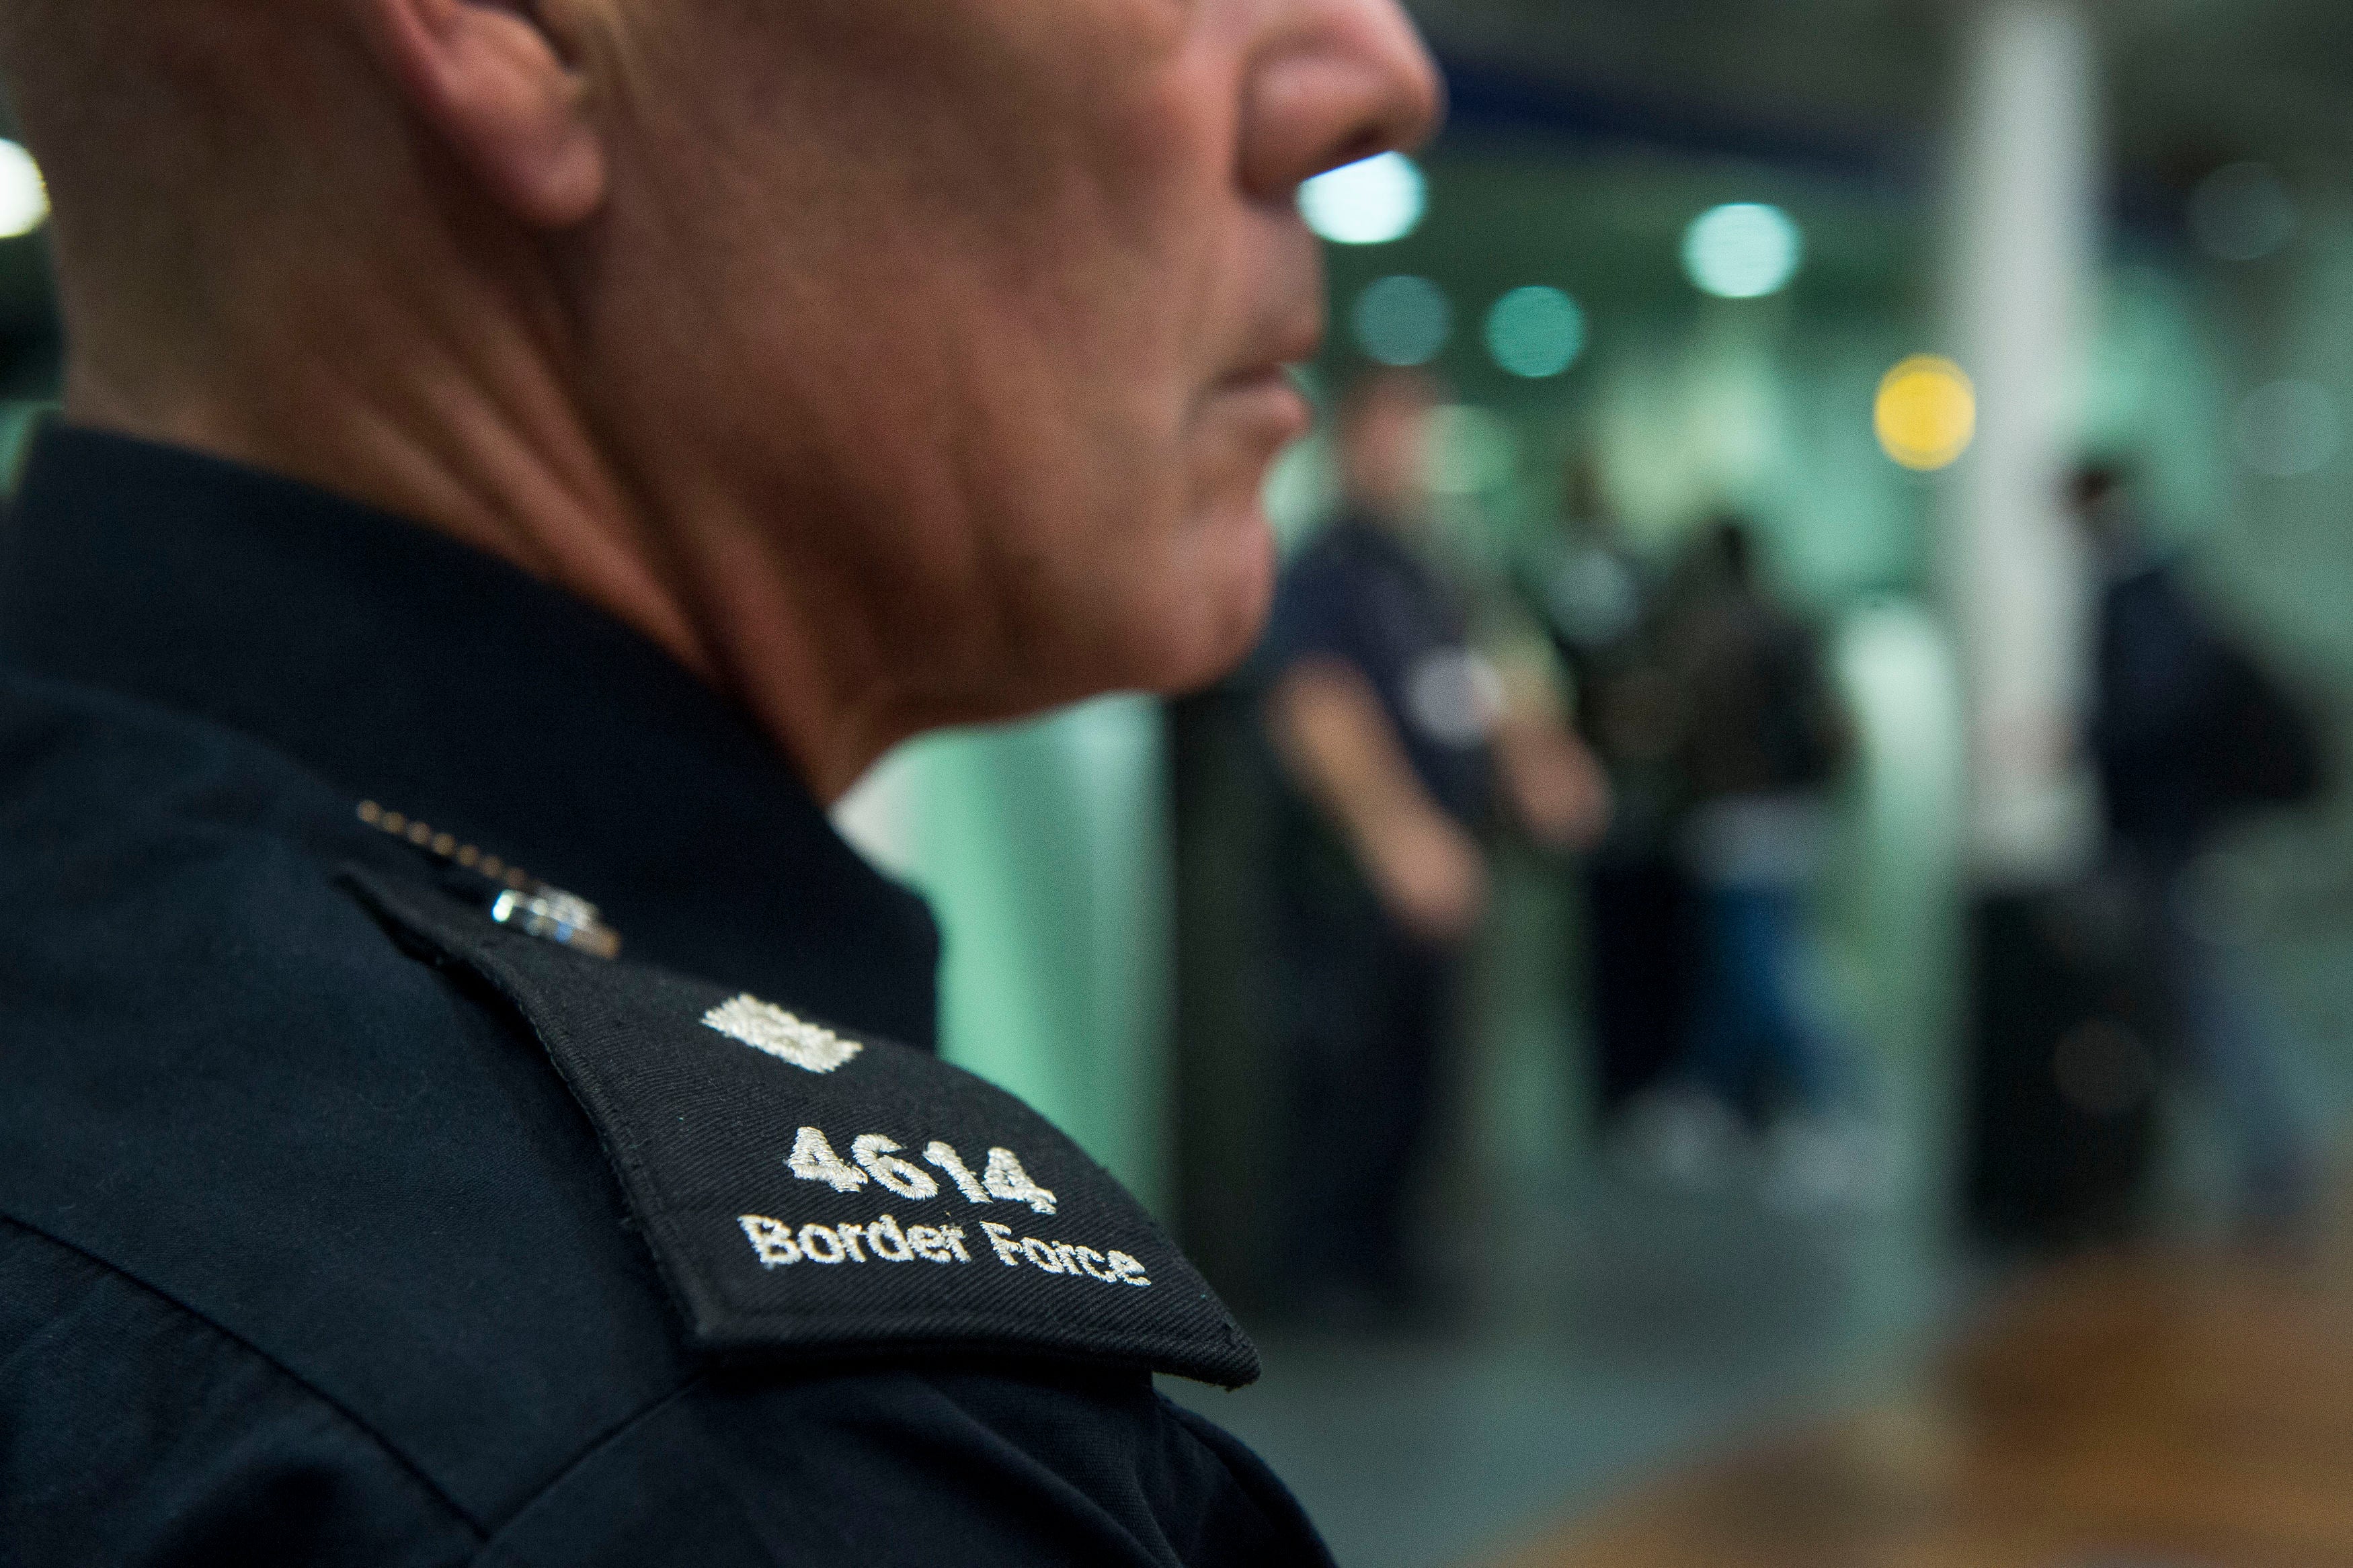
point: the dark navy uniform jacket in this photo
(309, 1251)
(1361, 597)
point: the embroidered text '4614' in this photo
(877, 1157)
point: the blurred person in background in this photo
(586, 434)
(1600, 603)
(1395, 735)
(2190, 731)
(1765, 741)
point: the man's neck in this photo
(475, 437)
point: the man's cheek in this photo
(1159, 148)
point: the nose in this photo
(1338, 81)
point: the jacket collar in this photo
(406, 669)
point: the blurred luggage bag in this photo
(2065, 1058)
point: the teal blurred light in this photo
(1370, 202)
(1403, 320)
(1743, 250)
(2288, 429)
(1536, 332)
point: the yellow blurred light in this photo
(1927, 412)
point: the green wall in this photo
(1044, 848)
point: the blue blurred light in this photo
(1745, 250)
(1536, 332)
(1370, 202)
(1403, 320)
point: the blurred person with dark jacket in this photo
(1764, 741)
(1601, 604)
(1396, 737)
(2190, 731)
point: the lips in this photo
(1296, 342)
(1269, 375)
(1269, 395)
(1287, 330)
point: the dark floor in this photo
(1606, 1331)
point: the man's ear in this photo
(487, 76)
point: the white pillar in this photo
(2024, 246)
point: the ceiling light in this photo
(1742, 251)
(2288, 429)
(1926, 414)
(24, 198)
(1370, 202)
(1403, 320)
(1536, 332)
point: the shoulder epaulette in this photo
(813, 1195)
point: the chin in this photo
(1167, 602)
(1212, 625)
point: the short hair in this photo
(171, 133)
(30, 29)
(102, 91)
(1731, 545)
(68, 67)
(2095, 480)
